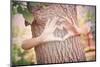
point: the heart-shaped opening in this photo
(60, 32)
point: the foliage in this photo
(90, 16)
(25, 8)
(21, 7)
(18, 56)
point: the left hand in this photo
(50, 27)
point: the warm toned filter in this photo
(69, 50)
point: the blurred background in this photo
(21, 13)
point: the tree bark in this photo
(70, 50)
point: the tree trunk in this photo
(70, 50)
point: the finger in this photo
(53, 22)
(58, 39)
(47, 23)
(53, 28)
(67, 19)
(55, 39)
(66, 37)
(71, 18)
(65, 27)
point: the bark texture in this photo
(70, 50)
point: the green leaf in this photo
(23, 62)
(20, 9)
(14, 10)
(28, 16)
(90, 16)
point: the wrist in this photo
(40, 39)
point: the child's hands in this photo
(50, 27)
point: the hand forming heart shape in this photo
(54, 32)
(59, 29)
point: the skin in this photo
(73, 30)
(46, 36)
(29, 43)
(50, 27)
